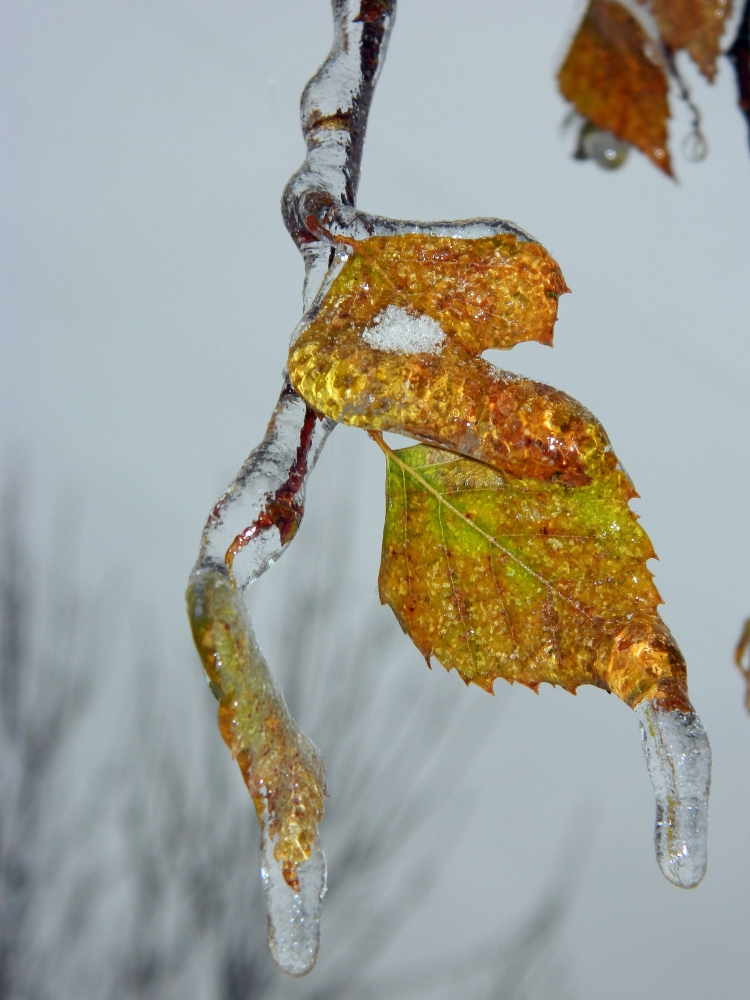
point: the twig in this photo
(739, 55)
(695, 144)
(259, 514)
(334, 108)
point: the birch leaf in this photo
(395, 346)
(615, 77)
(693, 25)
(503, 577)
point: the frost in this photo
(402, 332)
(678, 756)
(293, 917)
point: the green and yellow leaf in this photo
(530, 581)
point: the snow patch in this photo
(402, 332)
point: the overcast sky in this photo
(149, 290)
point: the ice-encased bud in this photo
(293, 917)
(678, 757)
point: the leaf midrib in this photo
(408, 469)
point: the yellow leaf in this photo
(615, 77)
(525, 580)
(394, 346)
(693, 25)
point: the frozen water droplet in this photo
(293, 917)
(601, 146)
(695, 146)
(678, 756)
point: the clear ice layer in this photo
(238, 514)
(293, 917)
(678, 756)
(333, 114)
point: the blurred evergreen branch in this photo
(151, 890)
(46, 669)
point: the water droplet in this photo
(695, 146)
(603, 147)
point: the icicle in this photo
(293, 917)
(678, 756)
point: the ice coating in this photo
(260, 512)
(293, 917)
(333, 113)
(678, 757)
(402, 332)
(603, 147)
(281, 767)
(358, 225)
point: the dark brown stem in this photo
(739, 56)
(334, 109)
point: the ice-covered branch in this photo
(335, 105)
(258, 515)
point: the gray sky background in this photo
(149, 290)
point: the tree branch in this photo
(739, 55)
(260, 512)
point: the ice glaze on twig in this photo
(259, 514)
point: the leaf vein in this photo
(442, 502)
(456, 598)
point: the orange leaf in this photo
(394, 346)
(615, 77)
(693, 25)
